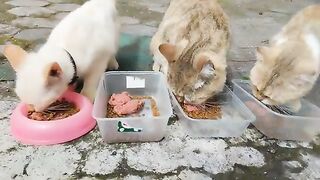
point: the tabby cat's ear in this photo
(15, 55)
(204, 66)
(168, 51)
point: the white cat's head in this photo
(39, 77)
(196, 79)
(284, 73)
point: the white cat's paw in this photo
(156, 67)
(114, 65)
(89, 94)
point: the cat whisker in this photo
(216, 103)
(280, 109)
(210, 105)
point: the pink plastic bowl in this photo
(32, 132)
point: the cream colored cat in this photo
(83, 44)
(288, 69)
(190, 48)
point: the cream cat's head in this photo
(39, 78)
(196, 79)
(284, 73)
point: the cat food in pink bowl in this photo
(65, 120)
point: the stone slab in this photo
(30, 3)
(33, 34)
(31, 11)
(30, 22)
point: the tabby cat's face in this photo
(197, 79)
(283, 73)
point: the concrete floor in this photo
(178, 156)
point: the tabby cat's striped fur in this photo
(190, 48)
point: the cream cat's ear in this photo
(15, 55)
(168, 51)
(53, 73)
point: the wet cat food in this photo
(201, 111)
(58, 110)
(123, 104)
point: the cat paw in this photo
(156, 67)
(89, 95)
(114, 65)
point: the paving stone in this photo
(6, 29)
(6, 72)
(64, 7)
(60, 16)
(128, 20)
(139, 29)
(66, 1)
(31, 11)
(33, 34)
(152, 23)
(157, 6)
(54, 162)
(32, 3)
(34, 22)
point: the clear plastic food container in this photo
(302, 126)
(145, 126)
(236, 117)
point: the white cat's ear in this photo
(15, 55)
(168, 51)
(53, 73)
(204, 66)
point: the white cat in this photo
(83, 44)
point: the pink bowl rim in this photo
(85, 106)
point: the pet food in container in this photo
(302, 126)
(143, 125)
(234, 117)
(45, 132)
